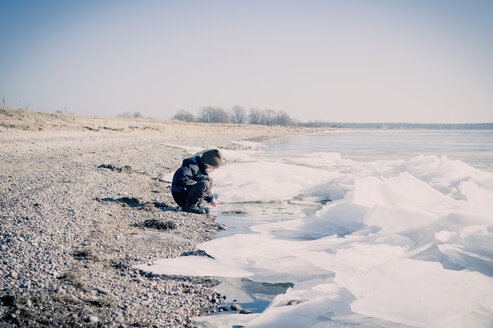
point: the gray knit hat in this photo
(212, 158)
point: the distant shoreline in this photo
(25, 119)
(402, 126)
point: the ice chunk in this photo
(404, 191)
(445, 235)
(393, 219)
(269, 259)
(225, 320)
(364, 256)
(265, 181)
(194, 266)
(421, 294)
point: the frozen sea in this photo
(360, 228)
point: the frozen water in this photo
(402, 240)
(188, 266)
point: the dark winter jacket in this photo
(191, 171)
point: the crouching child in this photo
(192, 185)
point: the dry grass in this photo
(25, 119)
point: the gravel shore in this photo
(82, 201)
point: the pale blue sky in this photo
(344, 61)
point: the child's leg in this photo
(180, 197)
(198, 192)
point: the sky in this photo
(416, 61)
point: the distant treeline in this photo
(425, 126)
(131, 115)
(237, 115)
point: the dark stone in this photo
(125, 169)
(219, 227)
(293, 302)
(101, 291)
(157, 224)
(196, 253)
(8, 300)
(235, 307)
(85, 254)
(235, 212)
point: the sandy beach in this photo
(83, 200)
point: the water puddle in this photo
(250, 295)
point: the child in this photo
(192, 184)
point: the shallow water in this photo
(372, 228)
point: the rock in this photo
(235, 212)
(157, 224)
(8, 300)
(93, 319)
(293, 302)
(196, 253)
(235, 307)
(101, 290)
(245, 311)
(124, 169)
(219, 227)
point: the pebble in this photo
(293, 302)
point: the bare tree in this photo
(255, 116)
(268, 117)
(125, 115)
(282, 118)
(183, 115)
(213, 115)
(130, 115)
(239, 115)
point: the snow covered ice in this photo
(393, 243)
